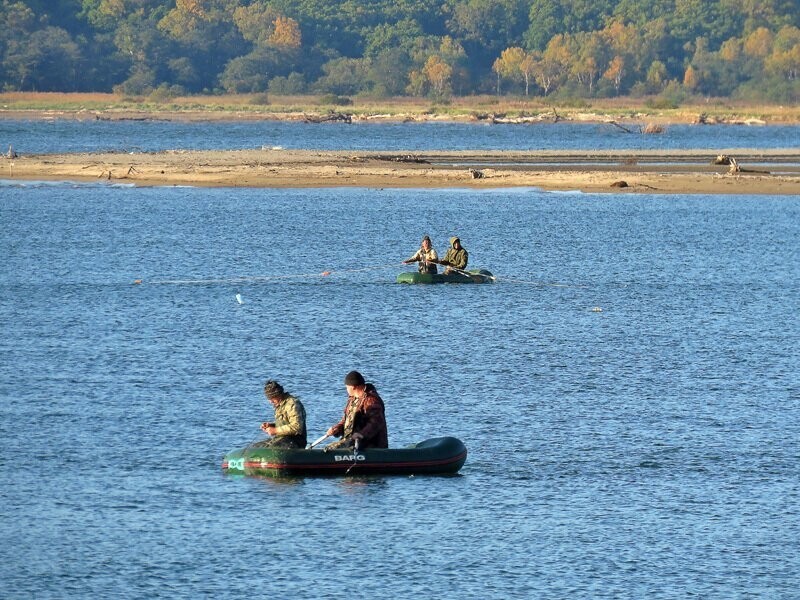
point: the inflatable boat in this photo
(437, 456)
(474, 276)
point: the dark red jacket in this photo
(365, 416)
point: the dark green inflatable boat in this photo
(474, 276)
(444, 455)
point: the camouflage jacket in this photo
(424, 259)
(365, 415)
(290, 420)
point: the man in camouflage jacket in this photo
(289, 428)
(426, 257)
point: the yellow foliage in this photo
(193, 7)
(508, 65)
(690, 79)
(112, 8)
(731, 50)
(286, 33)
(759, 43)
(438, 74)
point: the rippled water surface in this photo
(36, 137)
(628, 391)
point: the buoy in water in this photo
(597, 309)
(239, 299)
(137, 281)
(325, 273)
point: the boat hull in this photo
(474, 276)
(437, 456)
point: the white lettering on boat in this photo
(350, 457)
(237, 464)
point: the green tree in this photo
(388, 72)
(545, 20)
(656, 76)
(487, 26)
(345, 77)
(390, 36)
(205, 32)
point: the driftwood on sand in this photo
(330, 117)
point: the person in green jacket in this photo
(289, 428)
(456, 256)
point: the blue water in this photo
(36, 137)
(629, 391)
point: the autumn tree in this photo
(784, 60)
(551, 69)
(452, 52)
(206, 33)
(615, 71)
(438, 74)
(587, 58)
(507, 66)
(690, 78)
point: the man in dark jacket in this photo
(364, 419)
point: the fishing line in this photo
(540, 283)
(257, 278)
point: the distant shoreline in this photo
(485, 109)
(775, 172)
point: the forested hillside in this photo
(747, 49)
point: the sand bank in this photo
(667, 172)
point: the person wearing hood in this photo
(426, 257)
(456, 256)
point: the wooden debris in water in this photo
(652, 128)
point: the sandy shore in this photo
(668, 172)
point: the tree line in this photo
(748, 49)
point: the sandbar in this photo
(773, 172)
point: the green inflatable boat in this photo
(437, 456)
(474, 276)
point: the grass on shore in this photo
(458, 108)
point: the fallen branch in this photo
(408, 158)
(341, 117)
(625, 129)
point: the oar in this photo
(317, 442)
(467, 273)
